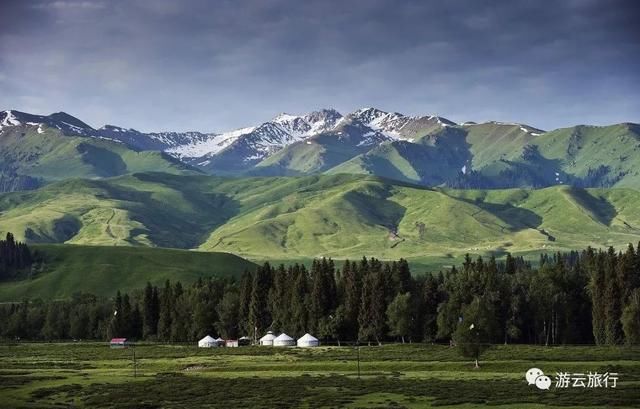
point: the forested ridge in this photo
(579, 297)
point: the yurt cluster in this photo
(269, 340)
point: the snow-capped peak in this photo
(9, 119)
(388, 123)
(301, 126)
(68, 124)
(284, 117)
(114, 128)
(210, 145)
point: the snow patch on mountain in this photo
(388, 123)
(211, 145)
(9, 119)
(258, 142)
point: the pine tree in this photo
(430, 302)
(166, 309)
(372, 309)
(352, 279)
(626, 268)
(597, 284)
(136, 323)
(612, 300)
(227, 324)
(402, 276)
(246, 282)
(259, 317)
(125, 317)
(631, 319)
(299, 298)
(150, 311)
(180, 316)
(323, 293)
(278, 300)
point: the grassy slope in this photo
(104, 270)
(311, 156)
(440, 154)
(339, 216)
(582, 148)
(147, 209)
(491, 148)
(53, 156)
(430, 160)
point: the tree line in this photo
(15, 257)
(571, 298)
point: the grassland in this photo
(104, 270)
(401, 376)
(581, 155)
(51, 156)
(341, 216)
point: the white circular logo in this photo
(532, 374)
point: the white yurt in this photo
(283, 340)
(207, 342)
(308, 341)
(267, 340)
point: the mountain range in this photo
(425, 150)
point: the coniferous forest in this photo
(574, 298)
(15, 257)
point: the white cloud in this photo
(66, 5)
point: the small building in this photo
(267, 340)
(220, 342)
(244, 341)
(283, 340)
(207, 342)
(308, 341)
(118, 343)
(231, 343)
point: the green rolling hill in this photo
(318, 153)
(494, 155)
(342, 216)
(104, 270)
(433, 160)
(43, 154)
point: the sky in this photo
(157, 65)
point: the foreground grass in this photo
(412, 376)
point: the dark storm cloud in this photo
(217, 65)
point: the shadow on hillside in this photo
(599, 208)
(516, 217)
(375, 209)
(104, 162)
(185, 222)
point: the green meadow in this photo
(102, 270)
(54, 375)
(339, 216)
